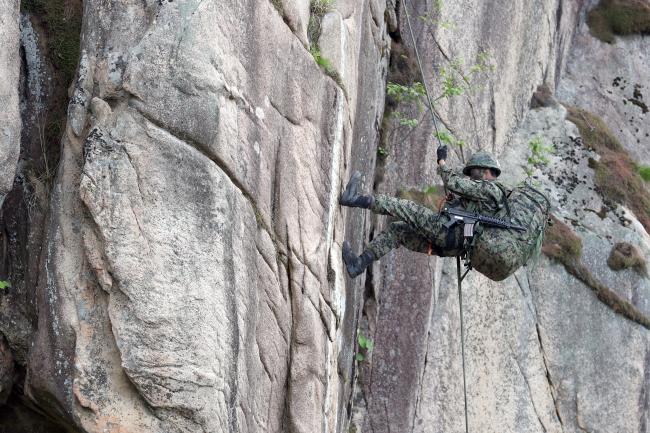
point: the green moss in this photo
(327, 67)
(619, 17)
(277, 4)
(644, 172)
(321, 7)
(62, 22)
(616, 176)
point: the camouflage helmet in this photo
(482, 159)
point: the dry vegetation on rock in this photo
(626, 256)
(617, 177)
(564, 246)
(431, 197)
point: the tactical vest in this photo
(497, 253)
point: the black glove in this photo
(442, 152)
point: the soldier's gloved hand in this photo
(442, 152)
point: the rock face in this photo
(190, 279)
(539, 344)
(618, 92)
(417, 324)
(9, 113)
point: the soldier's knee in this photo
(398, 227)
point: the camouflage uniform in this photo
(422, 230)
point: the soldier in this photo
(419, 228)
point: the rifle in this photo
(470, 219)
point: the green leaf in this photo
(644, 172)
(4, 284)
(363, 342)
(445, 137)
(360, 357)
(432, 189)
(411, 123)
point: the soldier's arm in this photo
(478, 190)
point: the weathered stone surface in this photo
(6, 371)
(9, 113)
(525, 42)
(415, 364)
(542, 352)
(611, 81)
(192, 279)
(297, 13)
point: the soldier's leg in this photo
(434, 238)
(396, 234)
(422, 220)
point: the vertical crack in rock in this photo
(644, 397)
(336, 303)
(420, 393)
(525, 291)
(548, 376)
(420, 385)
(579, 422)
(547, 371)
(528, 387)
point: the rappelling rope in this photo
(462, 337)
(424, 82)
(460, 279)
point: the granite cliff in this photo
(172, 235)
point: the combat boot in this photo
(351, 196)
(356, 265)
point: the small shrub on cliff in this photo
(616, 177)
(619, 17)
(627, 256)
(365, 347)
(561, 243)
(538, 154)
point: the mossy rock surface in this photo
(619, 17)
